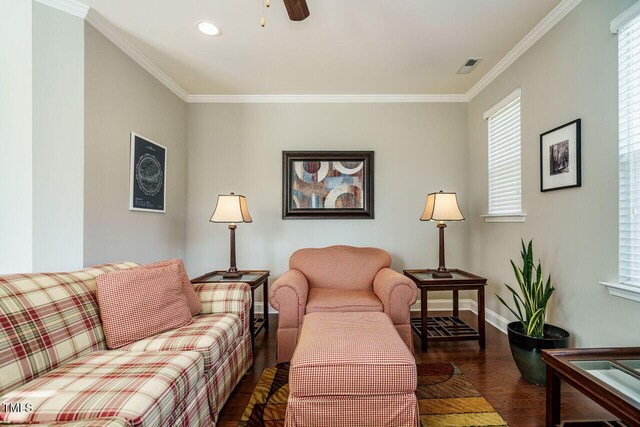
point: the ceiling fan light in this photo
(207, 28)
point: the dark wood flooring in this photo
(491, 371)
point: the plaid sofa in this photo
(56, 369)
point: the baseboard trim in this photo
(492, 318)
(466, 304)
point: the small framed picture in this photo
(148, 175)
(560, 157)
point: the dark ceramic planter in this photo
(526, 350)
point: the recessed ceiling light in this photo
(207, 28)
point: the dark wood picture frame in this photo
(288, 157)
(543, 158)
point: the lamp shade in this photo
(231, 208)
(442, 206)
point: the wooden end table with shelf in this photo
(447, 328)
(255, 279)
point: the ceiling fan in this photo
(297, 9)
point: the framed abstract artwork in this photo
(327, 184)
(148, 175)
(560, 165)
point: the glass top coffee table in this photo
(610, 377)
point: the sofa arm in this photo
(288, 295)
(225, 298)
(397, 293)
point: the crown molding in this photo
(265, 99)
(116, 37)
(543, 27)
(619, 21)
(71, 7)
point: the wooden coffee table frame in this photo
(560, 368)
(448, 328)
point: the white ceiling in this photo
(344, 47)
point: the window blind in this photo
(629, 150)
(504, 160)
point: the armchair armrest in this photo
(288, 295)
(225, 298)
(397, 293)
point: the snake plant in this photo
(531, 302)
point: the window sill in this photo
(623, 291)
(505, 217)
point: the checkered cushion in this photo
(46, 320)
(187, 287)
(140, 303)
(145, 388)
(212, 335)
(350, 354)
(225, 298)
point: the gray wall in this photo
(16, 205)
(58, 139)
(121, 97)
(419, 148)
(570, 73)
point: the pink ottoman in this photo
(351, 369)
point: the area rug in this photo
(445, 398)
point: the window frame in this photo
(502, 217)
(621, 288)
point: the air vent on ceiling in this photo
(469, 65)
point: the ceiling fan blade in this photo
(297, 9)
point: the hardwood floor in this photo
(491, 371)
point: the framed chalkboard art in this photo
(148, 175)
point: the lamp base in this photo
(232, 274)
(442, 274)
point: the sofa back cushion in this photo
(142, 302)
(47, 320)
(340, 267)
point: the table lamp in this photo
(232, 209)
(442, 207)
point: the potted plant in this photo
(530, 334)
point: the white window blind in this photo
(629, 150)
(505, 196)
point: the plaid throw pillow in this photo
(192, 298)
(138, 303)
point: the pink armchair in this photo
(339, 279)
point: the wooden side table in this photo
(255, 279)
(447, 328)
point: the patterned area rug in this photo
(445, 398)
